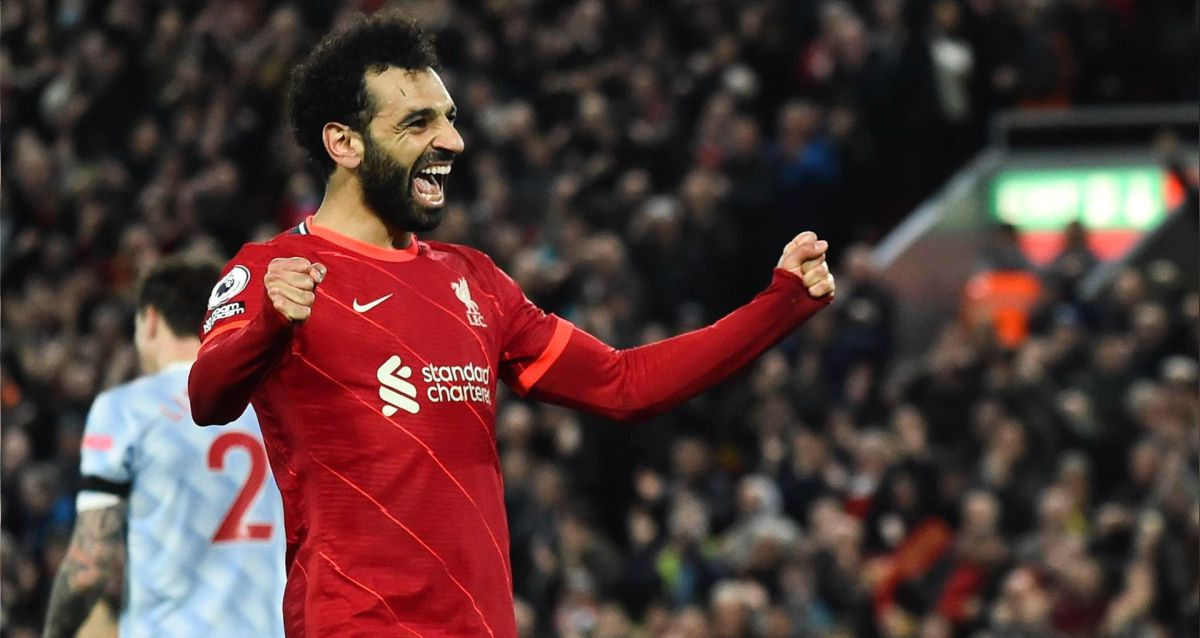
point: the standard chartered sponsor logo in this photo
(396, 391)
(457, 383)
(444, 384)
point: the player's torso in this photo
(407, 348)
(382, 416)
(205, 541)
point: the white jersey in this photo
(206, 537)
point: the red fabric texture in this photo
(395, 519)
(380, 423)
(640, 382)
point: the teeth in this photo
(436, 170)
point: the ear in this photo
(343, 144)
(151, 322)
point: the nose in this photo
(449, 139)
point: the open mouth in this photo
(428, 185)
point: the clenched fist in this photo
(291, 286)
(804, 257)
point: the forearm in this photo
(76, 590)
(92, 561)
(647, 380)
(231, 367)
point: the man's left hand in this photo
(804, 257)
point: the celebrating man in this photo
(372, 358)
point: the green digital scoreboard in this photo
(1117, 204)
(1118, 198)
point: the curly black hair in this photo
(178, 289)
(330, 84)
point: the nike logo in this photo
(367, 306)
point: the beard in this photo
(387, 190)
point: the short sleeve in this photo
(109, 441)
(531, 340)
(238, 294)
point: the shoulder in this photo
(250, 263)
(283, 244)
(115, 405)
(479, 267)
(149, 390)
(113, 398)
(485, 276)
(443, 250)
(460, 257)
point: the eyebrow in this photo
(427, 112)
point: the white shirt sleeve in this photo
(109, 442)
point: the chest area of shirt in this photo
(407, 297)
(410, 339)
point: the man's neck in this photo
(176, 351)
(343, 211)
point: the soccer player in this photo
(195, 510)
(372, 358)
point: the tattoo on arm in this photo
(96, 552)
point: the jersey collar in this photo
(359, 246)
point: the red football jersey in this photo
(379, 424)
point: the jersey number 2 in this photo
(232, 530)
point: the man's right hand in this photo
(291, 286)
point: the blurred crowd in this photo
(637, 166)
